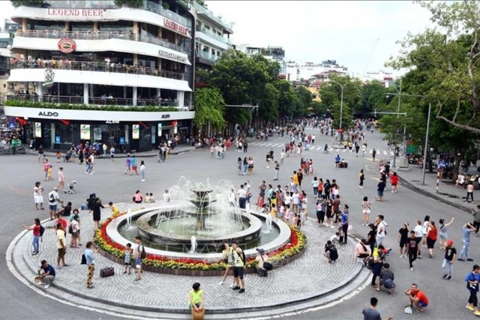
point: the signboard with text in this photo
(136, 131)
(85, 131)
(38, 129)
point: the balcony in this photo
(214, 35)
(207, 56)
(96, 66)
(100, 35)
(204, 11)
(158, 9)
(93, 102)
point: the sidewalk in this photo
(307, 282)
(448, 193)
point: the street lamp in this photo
(342, 86)
(426, 133)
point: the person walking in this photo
(403, 239)
(381, 229)
(142, 170)
(449, 259)
(53, 200)
(61, 245)
(443, 231)
(380, 189)
(37, 195)
(365, 211)
(140, 254)
(239, 268)
(90, 259)
(470, 188)
(97, 212)
(467, 229)
(227, 257)
(473, 280)
(61, 179)
(412, 250)
(432, 232)
(418, 229)
(345, 222)
(36, 235)
(361, 177)
(394, 182)
(374, 153)
(371, 312)
(196, 302)
(476, 219)
(112, 154)
(277, 169)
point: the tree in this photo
(305, 101)
(209, 105)
(129, 3)
(446, 58)
(373, 97)
(27, 3)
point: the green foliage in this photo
(209, 105)
(444, 60)
(27, 3)
(129, 3)
(165, 5)
(70, 106)
(373, 97)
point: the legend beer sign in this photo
(76, 12)
(169, 24)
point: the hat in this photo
(449, 242)
(261, 251)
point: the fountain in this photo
(269, 223)
(129, 218)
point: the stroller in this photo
(71, 187)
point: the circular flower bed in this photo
(153, 262)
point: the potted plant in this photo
(165, 5)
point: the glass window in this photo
(116, 26)
(81, 26)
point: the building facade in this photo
(116, 75)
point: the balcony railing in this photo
(96, 66)
(158, 9)
(100, 35)
(214, 35)
(94, 102)
(207, 56)
(202, 9)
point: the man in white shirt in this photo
(53, 199)
(242, 200)
(381, 229)
(418, 236)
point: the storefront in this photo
(59, 129)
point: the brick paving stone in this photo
(308, 275)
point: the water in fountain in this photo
(129, 218)
(194, 244)
(268, 223)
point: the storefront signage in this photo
(112, 122)
(66, 45)
(169, 24)
(48, 114)
(85, 131)
(165, 116)
(76, 12)
(136, 131)
(171, 56)
(38, 129)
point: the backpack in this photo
(42, 230)
(51, 198)
(143, 253)
(333, 253)
(70, 229)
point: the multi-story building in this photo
(274, 53)
(385, 78)
(122, 76)
(212, 36)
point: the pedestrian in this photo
(196, 302)
(128, 165)
(418, 229)
(128, 258)
(282, 156)
(443, 232)
(242, 200)
(345, 223)
(376, 269)
(90, 261)
(374, 153)
(133, 164)
(361, 177)
(76, 214)
(261, 259)
(140, 254)
(142, 170)
(53, 200)
(476, 219)
(45, 275)
(365, 211)
(315, 186)
(470, 188)
(449, 259)
(473, 279)
(387, 279)
(37, 195)
(371, 236)
(426, 223)
(403, 239)
(431, 238)
(112, 154)
(277, 169)
(371, 313)
(97, 212)
(412, 250)
(40, 153)
(36, 231)
(61, 245)
(394, 182)
(417, 298)
(239, 268)
(227, 257)
(74, 228)
(467, 229)
(380, 189)
(61, 179)
(331, 252)
(381, 229)
(46, 167)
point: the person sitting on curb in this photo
(46, 274)
(261, 259)
(362, 251)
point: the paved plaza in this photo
(159, 296)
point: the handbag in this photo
(472, 286)
(267, 265)
(84, 259)
(107, 272)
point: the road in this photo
(109, 182)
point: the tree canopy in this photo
(209, 105)
(444, 59)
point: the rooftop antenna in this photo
(371, 55)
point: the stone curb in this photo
(434, 196)
(122, 155)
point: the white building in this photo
(101, 73)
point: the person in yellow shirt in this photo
(114, 209)
(295, 178)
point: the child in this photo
(49, 173)
(128, 258)
(59, 156)
(128, 165)
(113, 208)
(273, 212)
(152, 198)
(74, 228)
(296, 221)
(288, 213)
(281, 213)
(303, 216)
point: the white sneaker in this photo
(47, 286)
(220, 283)
(232, 285)
(411, 269)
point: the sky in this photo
(360, 35)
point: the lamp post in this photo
(342, 86)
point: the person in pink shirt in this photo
(46, 166)
(362, 251)
(61, 179)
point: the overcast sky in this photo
(313, 31)
(358, 34)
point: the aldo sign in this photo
(48, 114)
